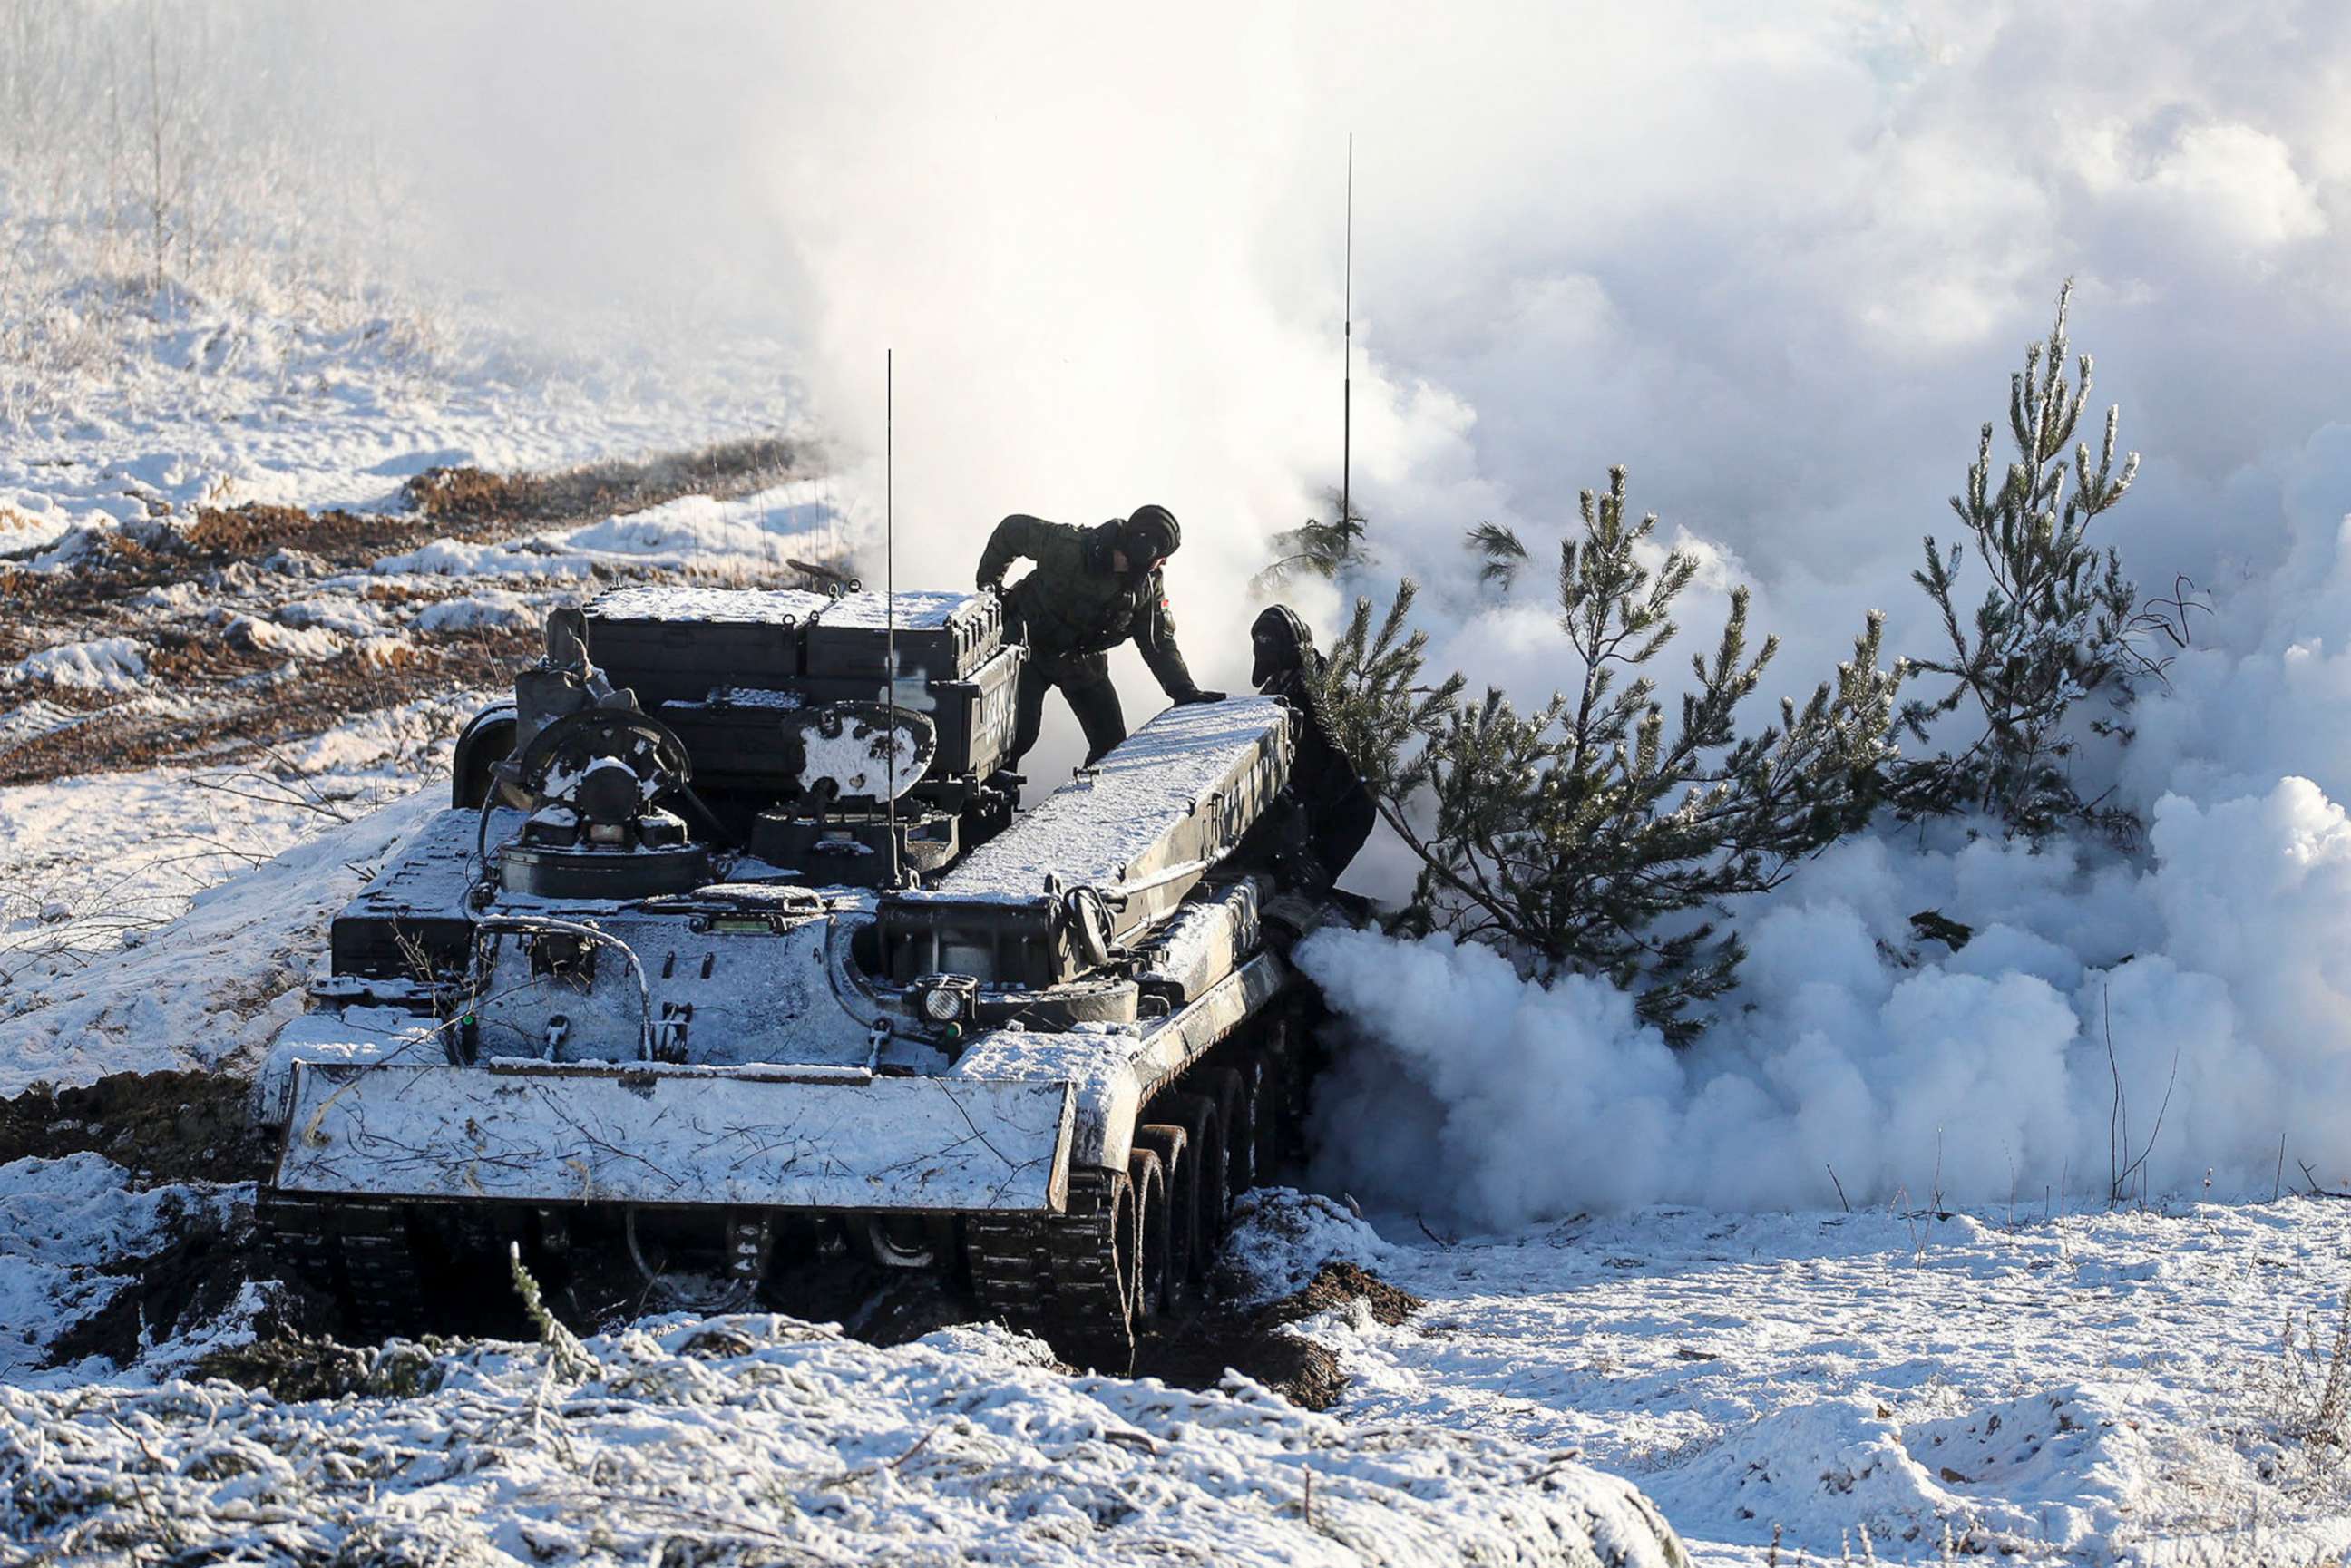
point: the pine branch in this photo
(1500, 554)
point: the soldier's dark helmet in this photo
(1151, 533)
(1278, 642)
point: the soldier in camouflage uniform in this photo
(1093, 589)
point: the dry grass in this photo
(468, 500)
(228, 703)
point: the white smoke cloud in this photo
(1779, 263)
(1983, 1075)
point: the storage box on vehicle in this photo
(672, 644)
(940, 636)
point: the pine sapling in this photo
(1588, 834)
(2058, 622)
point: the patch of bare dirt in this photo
(1198, 1352)
(212, 698)
(471, 498)
(233, 705)
(255, 532)
(194, 1278)
(160, 1126)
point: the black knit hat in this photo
(1154, 530)
(1279, 641)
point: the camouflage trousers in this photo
(1087, 685)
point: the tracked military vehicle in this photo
(731, 955)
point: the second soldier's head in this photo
(1279, 643)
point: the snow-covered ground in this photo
(199, 979)
(2094, 1387)
(92, 862)
(766, 1439)
(2052, 1387)
(2147, 1384)
(2135, 1387)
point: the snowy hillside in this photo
(1998, 1208)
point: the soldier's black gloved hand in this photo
(1200, 695)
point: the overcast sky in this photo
(1777, 259)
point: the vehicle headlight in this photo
(941, 1004)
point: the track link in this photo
(359, 1252)
(1067, 1278)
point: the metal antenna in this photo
(1347, 349)
(890, 590)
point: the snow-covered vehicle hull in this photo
(1038, 1055)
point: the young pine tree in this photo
(2057, 621)
(1589, 834)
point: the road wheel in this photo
(1231, 1094)
(1148, 1180)
(1173, 1145)
(1204, 1134)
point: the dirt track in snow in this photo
(213, 638)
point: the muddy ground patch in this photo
(195, 1278)
(1258, 1342)
(160, 1126)
(1195, 1351)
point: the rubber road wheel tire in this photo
(1149, 1180)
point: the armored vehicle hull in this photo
(584, 1013)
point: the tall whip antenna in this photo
(890, 589)
(1347, 349)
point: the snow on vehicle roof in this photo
(918, 610)
(1093, 829)
(664, 601)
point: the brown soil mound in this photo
(161, 1126)
(1198, 1352)
(1336, 1285)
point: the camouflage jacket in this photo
(1074, 608)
